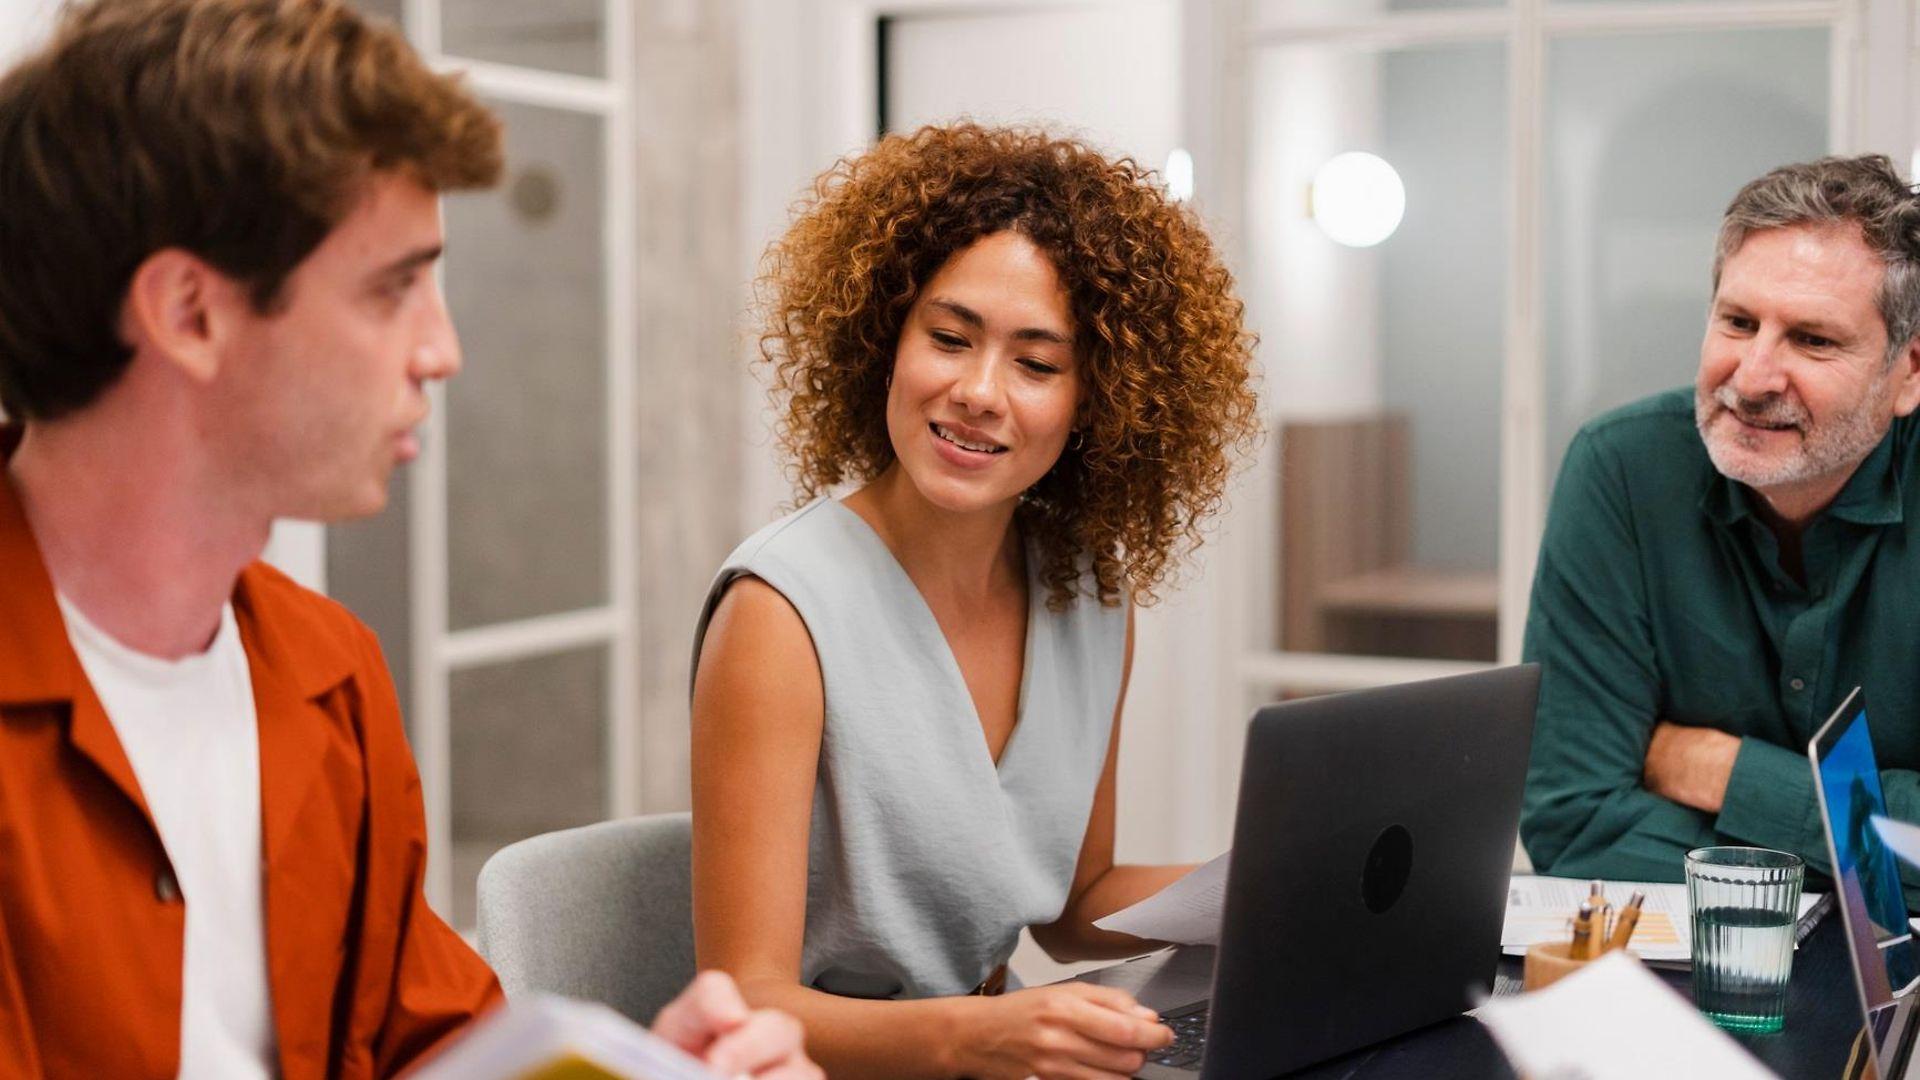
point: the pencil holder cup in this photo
(1548, 963)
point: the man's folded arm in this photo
(1902, 788)
(1587, 812)
(1771, 802)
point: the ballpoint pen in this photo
(1629, 916)
(1582, 933)
(1602, 918)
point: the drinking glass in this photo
(1744, 902)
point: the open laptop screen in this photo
(1864, 870)
(1847, 783)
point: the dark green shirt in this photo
(1660, 596)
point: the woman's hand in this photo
(711, 1021)
(1069, 1031)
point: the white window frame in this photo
(438, 651)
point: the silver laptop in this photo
(1886, 959)
(1372, 850)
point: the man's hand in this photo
(711, 1021)
(1691, 765)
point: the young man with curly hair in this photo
(218, 220)
(906, 702)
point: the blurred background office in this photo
(1527, 244)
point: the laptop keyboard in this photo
(1189, 1038)
(1190, 1029)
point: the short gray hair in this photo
(1865, 190)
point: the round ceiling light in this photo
(1358, 199)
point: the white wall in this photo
(788, 134)
(1111, 74)
(1313, 302)
(23, 24)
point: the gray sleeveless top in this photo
(924, 860)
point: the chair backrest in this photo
(603, 912)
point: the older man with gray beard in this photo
(1721, 567)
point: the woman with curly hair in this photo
(1030, 366)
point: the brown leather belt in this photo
(994, 984)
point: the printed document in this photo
(1540, 909)
(1186, 912)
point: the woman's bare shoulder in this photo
(756, 643)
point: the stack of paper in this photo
(1539, 909)
(1613, 1020)
(542, 1037)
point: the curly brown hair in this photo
(1158, 335)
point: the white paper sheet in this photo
(1902, 837)
(1186, 912)
(1613, 1020)
(1539, 908)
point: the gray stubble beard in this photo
(1832, 446)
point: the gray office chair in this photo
(603, 912)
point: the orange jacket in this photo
(363, 975)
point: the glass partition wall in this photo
(501, 577)
(1382, 361)
(1562, 167)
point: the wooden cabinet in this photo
(1348, 579)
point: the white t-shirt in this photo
(189, 728)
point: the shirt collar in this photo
(1872, 495)
(36, 662)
